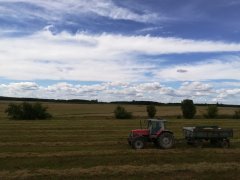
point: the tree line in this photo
(35, 111)
(95, 101)
(188, 109)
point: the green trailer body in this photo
(215, 135)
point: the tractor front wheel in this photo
(166, 140)
(138, 143)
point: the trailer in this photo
(217, 136)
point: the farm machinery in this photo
(155, 133)
(215, 135)
(163, 138)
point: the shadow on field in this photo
(181, 144)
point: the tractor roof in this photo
(162, 120)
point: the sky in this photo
(121, 50)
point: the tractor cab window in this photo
(154, 126)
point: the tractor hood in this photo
(143, 132)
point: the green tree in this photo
(121, 113)
(14, 111)
(41, 111)
(151, 110)
(212, 111)
(188, 109)
(27, 111)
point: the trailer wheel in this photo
(166, 140)
(198, 143)
(213, 142)
(225, 143)
(138, 143)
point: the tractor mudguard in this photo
(167, 131)
(163, 131)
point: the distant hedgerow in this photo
(27, 111)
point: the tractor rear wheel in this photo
(138, 143)
(166, 140)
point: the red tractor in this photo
(155, 133)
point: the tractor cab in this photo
(155, 126)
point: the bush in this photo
(188, 109)
(121, 113)
(212, 111)
(27, 111)
(236, 114)
(151, 110)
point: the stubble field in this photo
(86, 142)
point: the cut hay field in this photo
(86, 142)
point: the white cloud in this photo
(117, 83)
(22, 86)
(149, 87)
(224, 93)
(106, 57)
(22, 89)
(226, 68)
(228, 96)
(195, 86)
(198, 91)
(149, 29)
(57, 9)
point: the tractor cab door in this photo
(154, 127)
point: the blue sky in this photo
(121, 50)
